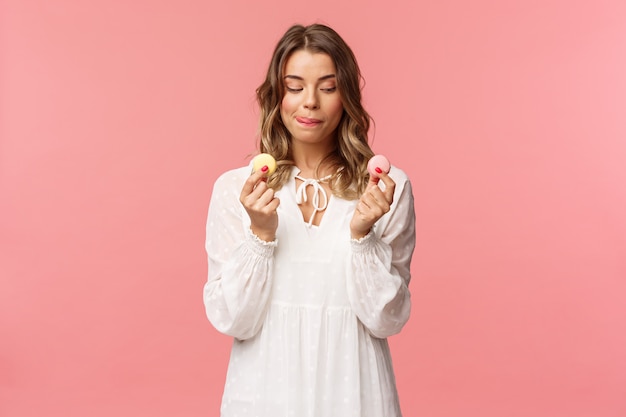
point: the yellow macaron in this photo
(264, 159)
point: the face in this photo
(311, 108)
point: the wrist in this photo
(265, 235)
(356, 235)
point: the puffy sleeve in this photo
(379, 269)
(240, 265)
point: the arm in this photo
(240, 264)
(379, 271)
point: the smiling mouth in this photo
(305, 121)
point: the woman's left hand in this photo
(372, 205)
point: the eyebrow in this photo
(297, 77)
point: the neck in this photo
(309, 161)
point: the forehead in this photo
(308, 64)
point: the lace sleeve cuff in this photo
(258, 246)
(363, 244)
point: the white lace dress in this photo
(309, 312)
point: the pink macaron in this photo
(378, 161)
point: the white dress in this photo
(309, 312)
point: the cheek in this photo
(287, 105)
(335, 108)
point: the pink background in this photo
(509, 116)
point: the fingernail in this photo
(264, 168)
(379, 170)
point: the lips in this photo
(308, 122)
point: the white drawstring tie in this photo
(318, 190)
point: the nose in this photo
(311, 101)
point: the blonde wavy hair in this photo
(349, 158)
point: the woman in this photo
(309, 266)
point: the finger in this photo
(251, 183)
(390, 187)
(376, 203)
(264, 198)
(264, 170)
(258, 198)
(368, 207)
(273, 204)
(363, 207)
(372, 181)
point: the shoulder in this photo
(233, 178)
(403, 198)
(402, 209)
(401, 179)
(227, 187)
(398, 175)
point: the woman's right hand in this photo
(259, 201)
